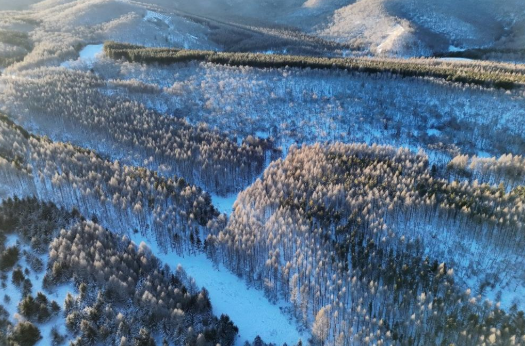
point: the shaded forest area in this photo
(15, 45)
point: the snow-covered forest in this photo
(171, 177)
(163, 143)
(372, 246)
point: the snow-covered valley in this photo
(188, 192)
(229, 294)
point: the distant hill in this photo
(392, 27)
(403, 28)
(16, 4)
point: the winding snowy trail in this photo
(247, 307)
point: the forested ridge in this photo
(499, 75)
(364, 243)
(126, 130)
(125, 197)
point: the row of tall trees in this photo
(508, 170)
(506, 76)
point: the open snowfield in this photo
(224, 204)
(91, 51)
(455, 59)
(86, 56)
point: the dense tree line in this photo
(125, 197)
(135, 293)
(369, 246)
(497, 75)
(34, 221)
(65, 102)
(508, 170)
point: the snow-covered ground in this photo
(262, 134)
(433, 132)
(390, 40)
(87, 55)
(224, 204)
(455, 59)
(247, 307)
(452, 48)
(152, 16)
(58, 294)
(482, 153)
(91, 51)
